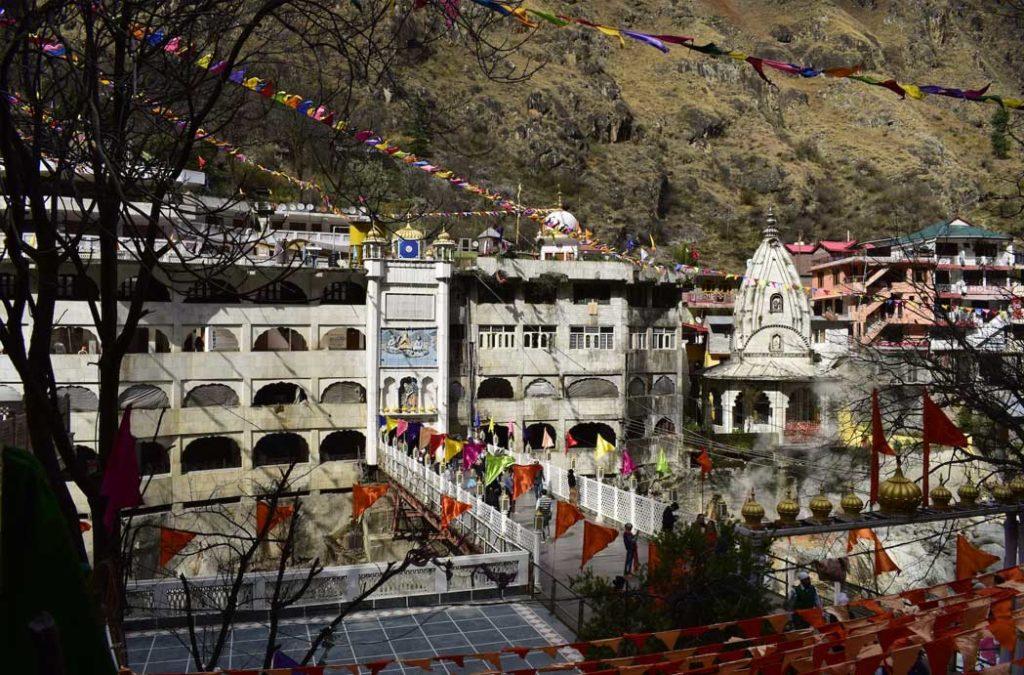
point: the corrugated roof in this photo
(955, 228)
(837, 246)
(801, 248)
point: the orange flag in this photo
(281, 513)
(879, 445)
(883, 563)
(364, 496)
(523, 478)
(595, 539)
(971, 560)
(936, 427)
(704, 460)
(171, 543)
(451, 509)
(566, 515)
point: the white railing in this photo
(490, 528)
(606, 501)
(333, 585)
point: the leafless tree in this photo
(103, 108)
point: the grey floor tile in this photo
(447, 643)
(519, 633)
(439, 628)
(372, 650)
(508, 621)
(466, 625)
(407, 645)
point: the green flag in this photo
(494, 465)
(662, 465)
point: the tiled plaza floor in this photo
(375, 636)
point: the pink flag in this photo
(547, 441)
(511, 426)
(403, 426)
(470, 453)
(627, 464)
(121, 477)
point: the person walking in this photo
(629, 540)
(538, 482)
(492, 495)
(668, 517)
(574, 493)
(544, 506)
(803, 596)
(507, 484)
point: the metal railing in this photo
(333, 585)
(489, 528)
(606, 501)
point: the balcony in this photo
(709, 299)
(974, 291)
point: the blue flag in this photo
(282, 660)
(476, 420)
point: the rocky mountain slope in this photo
(692, 148)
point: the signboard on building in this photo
(408, 347)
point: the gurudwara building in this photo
(233, 376)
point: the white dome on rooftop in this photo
(562, 221)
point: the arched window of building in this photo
(211, 452)
(213, 291)
(210, 396)
(739, 414)
(663, 386)
(343, 339)
(586, 434)
(388, 394)
(280, 339)
(803, 406)
(344, 392)
(146, 340)
(279, 293)
(154, 458)
(665, 427)
(499, 437)
(280, 448)
(540, 388)
(81, 399)
(495, 387)
(221, 339)
(279, 393)
(76, 287)
(343, 293)
(143, 397)
(533, 435)
(592, 387)
(155, 291)
(342, 446)
(762, 408)
(636, 387)
(73, 340)
(775, 304)
(428, 394)
(409, 394)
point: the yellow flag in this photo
(603, 447)
(709, 362)
(913, 91)
(490, 425)
(451, 448)
(711, 407)
(390, 423)
(612, 32)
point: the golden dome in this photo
(444, 239)
(968, 493)
(851, 503)
(1002, 493)
(409, 233)
(788, 509)
(752, 512)
(899, 495)
(820, 506)
(375, 237)
(1017, 487)
(941, 496)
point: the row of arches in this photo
(148, 396)
(588, 387)
(149, 340)
(222, 452)
(802, 405)
(81, 287)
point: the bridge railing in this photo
(333, 585)
(608, 502)
(490, 529)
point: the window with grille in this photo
(497, 337)
(664, 338)
(638, 338)
(538, 337)
(591, 337)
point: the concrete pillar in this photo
(374, 273)
(443, 273)
(728, 399)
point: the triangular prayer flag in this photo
(490, 425)
(494, 465)
(390, 423)
(452, 448)
(566, 515)
(121, 476)
(627, 466)
(936, 428)
(401, 427)
(603, 447)
(709, 361)
(971, 560)
(939, 654)
(523, 478)
(172, 542)
(570, 442)
(451, 509)
(263, 515)
(546, 441)
(595, 539)
(364, 496)
(436, 441)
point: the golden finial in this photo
(820, 506)
(851, 503)
(752, 512)
(899, 495)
